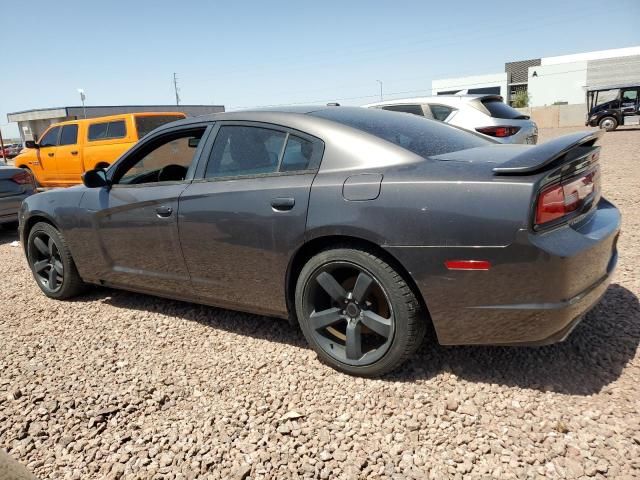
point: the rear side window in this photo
(241, 150)
(297, 154)
(107, 130)
(50, 139)
(440, 112)
(145, 124)
(415, 109)
(418, 135)
(498, 109)
(69, 135)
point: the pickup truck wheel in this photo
(35, 180)
(608, 124)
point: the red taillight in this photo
(561, 199)
(498, 131)
(22, 178)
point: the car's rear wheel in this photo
(357, 312)
(51, 262)
(608, 123)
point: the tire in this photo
(608, 123)
(64, 282)
(35, 180)
(394, 336)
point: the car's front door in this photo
(135, 219)
(240, 222)
(69, 155)
(44, 165)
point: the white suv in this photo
(485, 114)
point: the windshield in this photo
(419, 135)
(605, 96)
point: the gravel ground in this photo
(120, 385)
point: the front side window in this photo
(415, 109)
(243, 150)
(440, 112)
(50, 139)
(166, 160)
(69, 135)
(107, 130)
(629, 96)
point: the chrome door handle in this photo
(164, 211)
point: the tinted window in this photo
(629, 96)
(498, 109)
(50, 138)
(116, 129)
(69, 135)
(145, 124)
(440, 112)
(297, 154)
(106, 130)
(419, 135)
(167, 161)
(240, 150)
(415, 109)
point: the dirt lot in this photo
(120, 385)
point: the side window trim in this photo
(314, 164)
(132, 154)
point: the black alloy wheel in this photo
(51, 262)
(46, 262)
(357, 312)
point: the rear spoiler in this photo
(540, 156)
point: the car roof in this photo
(438, 99)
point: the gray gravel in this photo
(119, 385)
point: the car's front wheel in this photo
(51, 263)
(357, 312)
(608, 124)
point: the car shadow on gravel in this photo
(8, 235)
(592, 357)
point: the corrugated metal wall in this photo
(613, 71)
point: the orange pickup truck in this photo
(66, 150)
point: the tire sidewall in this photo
(615, 123)
(67, 265)
(402, 308)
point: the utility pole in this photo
(380, 82)
(175, 87)
(2, 146)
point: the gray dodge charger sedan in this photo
(362, 226)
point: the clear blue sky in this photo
(251, 53)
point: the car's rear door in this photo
(69, 155)
(241, 221)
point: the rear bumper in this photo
(535, 292)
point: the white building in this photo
(553, 80)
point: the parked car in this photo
(66, 150)
(16, 184)
(14, 150)
(613, 105)
(359, 224)
(484, 114)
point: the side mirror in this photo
(95, 178)
(31, 144)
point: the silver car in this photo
(485, 114)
